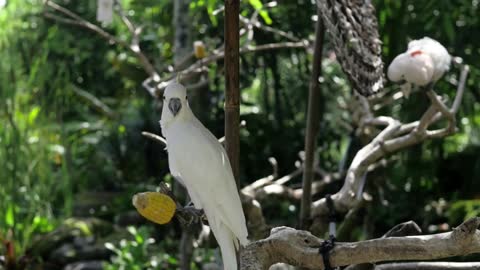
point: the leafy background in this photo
(60, 157)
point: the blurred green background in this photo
(70, 169)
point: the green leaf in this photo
(121, 129)
(258, 6)
(210, 9)
(10, 216)
(33, 114)
(265, 17)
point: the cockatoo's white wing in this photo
(416, 69)
(439, 55)
(173, 170)
(204, 167)
(420, 70)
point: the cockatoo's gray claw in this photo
(190, 217)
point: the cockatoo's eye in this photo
(186, 97)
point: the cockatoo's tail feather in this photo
(197, 158)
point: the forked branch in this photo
(394, 137)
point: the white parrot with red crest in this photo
(424, 62)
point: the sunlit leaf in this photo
(33, 114)
(210, 9)
(257, 5)
(10, 216)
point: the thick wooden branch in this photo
(429, 266)
(300, 248)
(394, 137)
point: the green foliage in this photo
(54, 145)
(463, 210)
(137, 254)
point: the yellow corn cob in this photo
(199, 49)
(154, 206)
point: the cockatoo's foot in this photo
(190, 217)
(406, 89)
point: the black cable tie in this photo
(324, 249)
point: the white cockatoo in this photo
(105, 11)
(424, 62)
(200, 163)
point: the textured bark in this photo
(300, 248)
(430, 266)
(394, 137)
(403, 229)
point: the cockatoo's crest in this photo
(414, 53)
(175, 89)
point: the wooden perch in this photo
(430, 266)
(300, 248)
(394, 137)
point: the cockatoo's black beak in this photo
(175, 104)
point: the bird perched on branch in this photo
(424, 62)
(200, 163)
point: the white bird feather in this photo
(200, 162)
(425, 61)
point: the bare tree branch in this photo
(77, 20)
(394, 137)
(155, 137)
(254, 22)
(300, 248)
(93, 101)
(217, 55)
(429, 266)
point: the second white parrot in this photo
(425, 61)
(200, 163)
